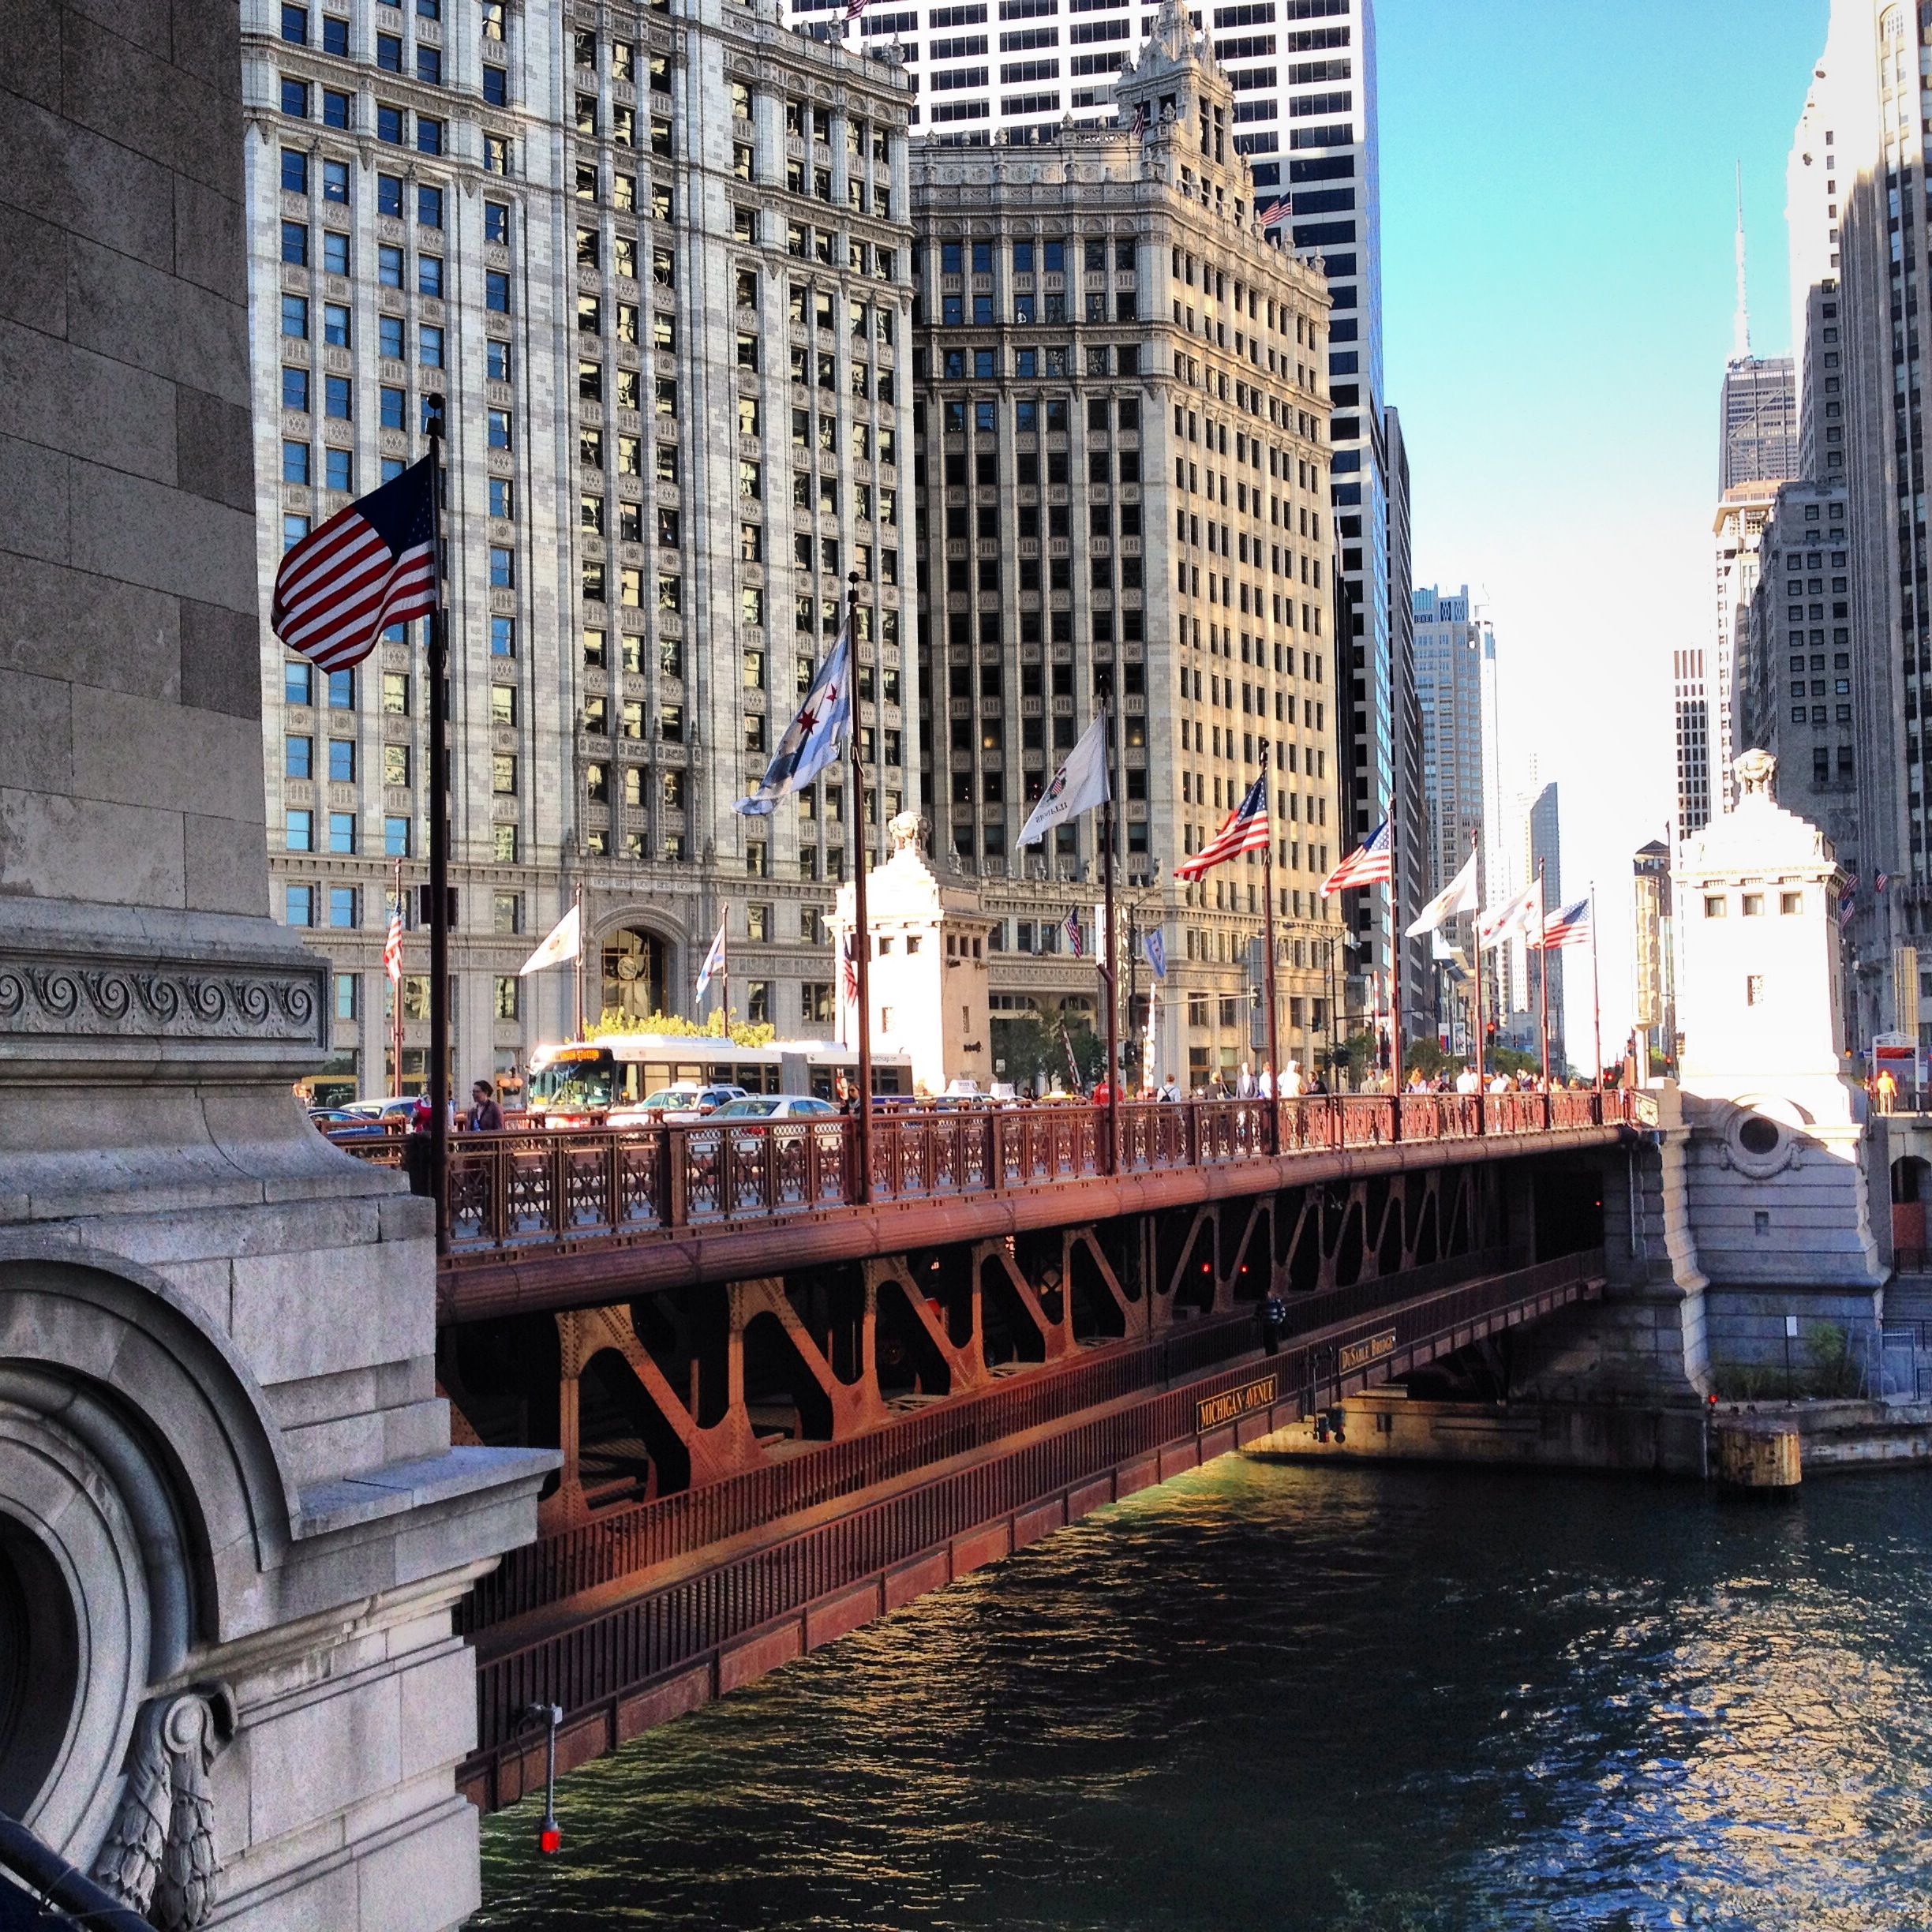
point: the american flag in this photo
(1848, 900)
(1275, 212)
(848, 971)
(370, 566)
(1072, 930)
(1245, 828)
(1568, 925)
(392, 946)
(854, 9)
(1372, 863)
(1880, 881)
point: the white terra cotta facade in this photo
(1776, 1174)
(929, 966)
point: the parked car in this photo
(395, 1110)
(341, 1124)
(684, 1102)
(774, 1107)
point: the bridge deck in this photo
(546, 1220)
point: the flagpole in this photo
(1267, 965)
(1476, 947)
(1543, 986)
(438, 649)
(1109, 956)
(1596, 988)
(862, 933)
(1397, 939)
(577, 967)
(396, 991)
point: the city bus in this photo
(580, 1080)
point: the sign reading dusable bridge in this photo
(1360, 1354)
(1212, 1411)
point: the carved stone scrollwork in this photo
(159, 1855)
(39, 997)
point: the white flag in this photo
(1079, 785)
(1523, 914)
(562, 944)
(1458, 896)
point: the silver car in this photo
(774, 1107)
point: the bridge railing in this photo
(534, 1188)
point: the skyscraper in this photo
(1124, 495)
(1303, 77)
(1757, 450)
(1448, 657)
(1544, 858)
(1859, 233)
(1759, 439)
(659, 265)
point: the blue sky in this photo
(1557, 233)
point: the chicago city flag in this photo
(1523, 914)
(811, 740)
(714, 960)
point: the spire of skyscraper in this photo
(1740, 327)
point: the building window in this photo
(1714, 905)
(506, 913)
(299, 832)
(1753, 989)
(508, 992)
(298, 905)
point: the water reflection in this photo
(1279, 1697)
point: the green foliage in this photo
(1363, 1050)
(1821, 1368)
(1030, 1045)
(743, 1032)
(1425, 1056)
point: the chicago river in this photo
(1337, 1698)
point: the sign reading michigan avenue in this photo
(1360, 1354)
(1211, 1411)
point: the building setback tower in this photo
(1448, 654)
(1125, 489)
(1004, 72)
(1853, 637)
(1759, 442)
(658, 260)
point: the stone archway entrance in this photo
(635, 974)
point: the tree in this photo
(1030, 1048)
(1425, 1056)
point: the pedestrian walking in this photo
(484, 1115)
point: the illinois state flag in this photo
(1079, 784)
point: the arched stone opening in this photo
(143, 1493)
(635, 963)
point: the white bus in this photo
(584, 1079)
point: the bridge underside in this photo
(687, 1386)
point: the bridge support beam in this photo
(1645, 1341)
